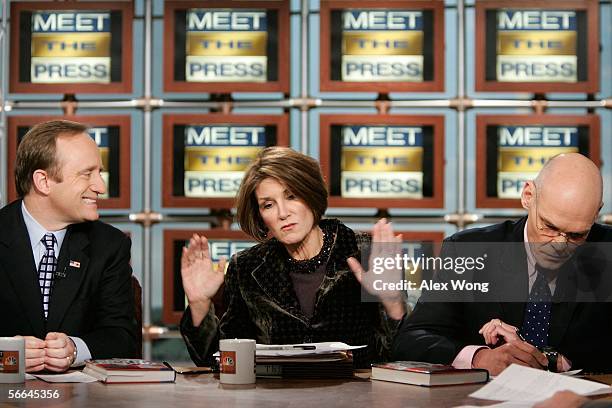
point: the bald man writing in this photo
(546, 290)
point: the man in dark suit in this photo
(549, 284)
(66, 278)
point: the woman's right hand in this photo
(201, 280)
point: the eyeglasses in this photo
(553, 232)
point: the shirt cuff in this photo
(465, 356)
(83, 352)
(566, 365)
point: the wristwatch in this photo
(74, 353)
(552, 355)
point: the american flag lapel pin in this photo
(75, 264)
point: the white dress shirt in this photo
(36, 232)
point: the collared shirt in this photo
(466, 355)
(36, 232)
(531, 265)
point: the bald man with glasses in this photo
(550, 303)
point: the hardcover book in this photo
(119, 370)
(427, 374)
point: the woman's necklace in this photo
(312, 264)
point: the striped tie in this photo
(46, 269)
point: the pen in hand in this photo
(520, 336)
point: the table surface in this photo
(205, 390)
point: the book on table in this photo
(119, 370)
(427, 374)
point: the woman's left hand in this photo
(385, 246)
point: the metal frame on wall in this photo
(124, 46)
(483, 200)
(327, 158)
(303, 102)
(281, 84)
(485, 34)
(279, 122)
(437, 47)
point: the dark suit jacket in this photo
(438, 329)
(94, 301)
(262, 304)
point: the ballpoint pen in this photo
(265, 347)
(520, 336)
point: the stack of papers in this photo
(304, 360)
(525, 384)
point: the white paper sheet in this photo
(271, 350)
(289, 350)
(571, 372)
(71, 377)
(518, 383)
(506, 404)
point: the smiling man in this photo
(66, 278)
(550, 279)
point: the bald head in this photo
(562, 204)
(569, 179)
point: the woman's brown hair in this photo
(300, 173)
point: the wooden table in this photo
(204, 390)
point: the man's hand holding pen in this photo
(509, 347)
(496, 332)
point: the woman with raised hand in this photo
(296, 285)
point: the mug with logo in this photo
(237, 361)
(12, 359)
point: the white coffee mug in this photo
(12, 359)
(237, 361)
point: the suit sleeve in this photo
(432, 332)
(113, 333)
(203, 341)
(386, 328)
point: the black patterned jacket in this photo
(262, 305)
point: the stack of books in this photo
(118, 370)
(329, 365)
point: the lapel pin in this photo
(75, 264)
